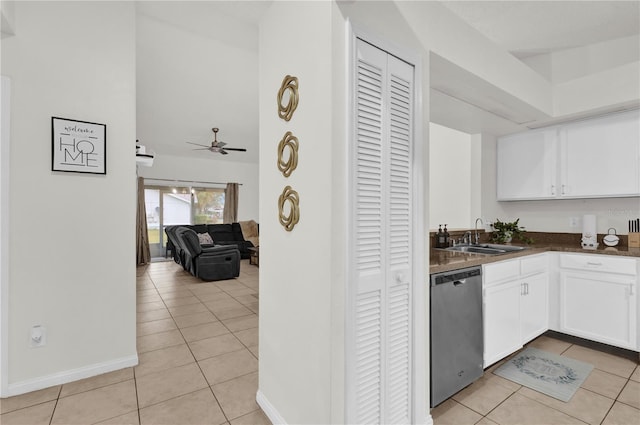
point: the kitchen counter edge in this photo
(444, 261)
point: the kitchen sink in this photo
(487, 249)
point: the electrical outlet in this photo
(574, 222)
(38, 336)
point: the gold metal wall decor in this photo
(289, 206)
(287, 165)
(288, 97)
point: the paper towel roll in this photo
(589, 226)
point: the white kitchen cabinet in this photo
(515, 304)
(592, 158)
(598, 298)
(601, 157)
(534, 306)
(527, 165)
(501, 321)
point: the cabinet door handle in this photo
(527, 287)
(631, 285)
(591, 263)
(553, 190)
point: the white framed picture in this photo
(78, 146)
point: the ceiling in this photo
(527, 28)
(197, 62)
(197, 69)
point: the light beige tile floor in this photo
(610, 395)
(198, 353)
(198, 360)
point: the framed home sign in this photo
(78, 146)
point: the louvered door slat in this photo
(398, 391)
(368, 359)
(381, 239)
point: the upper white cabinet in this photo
(527, 165)
(601, 157)
(586, 159)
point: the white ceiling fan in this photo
(216, 146)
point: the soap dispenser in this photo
(446, 236)
(440, 237)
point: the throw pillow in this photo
(205, 239)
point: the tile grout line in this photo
(191, 351)
(197, 362)
(53, 412)
(135, 383)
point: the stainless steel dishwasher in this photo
(456, 331)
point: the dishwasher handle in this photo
(457, 277)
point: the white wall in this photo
(452, 174)
(302, 273)
(295, 268)
(211, 170)
(550, 215)
(188, 81)
(72, 245)
(5, 122)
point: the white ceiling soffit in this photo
(527, 28)
(456, 82)
(458, 115)
(605, 110)
(7, 14)
(232, 22)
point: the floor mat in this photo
(558, 377)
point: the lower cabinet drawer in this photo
(501, 271)
(534, 264)
(601, 263)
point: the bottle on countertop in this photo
(440, 242)
(446, 236)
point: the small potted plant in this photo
(505, 232)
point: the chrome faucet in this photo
(477, 235)
(466, 240)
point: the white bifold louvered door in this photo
(380, 287)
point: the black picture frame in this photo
(78, 146)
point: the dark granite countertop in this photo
(442, 261)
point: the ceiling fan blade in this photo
(223, 152)
(201, 149)
(236, 149)
(197, 144)
(221, 144)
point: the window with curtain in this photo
(167, 206)
(208, 205)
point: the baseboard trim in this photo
(276, 419)
(67, 376)
(268, 409)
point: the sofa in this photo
(220, 234)
(208, 262)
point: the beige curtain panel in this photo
(143, 255)
(230, 212)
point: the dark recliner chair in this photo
(221, 234)
(173, 245)
(209, 263)
(229, 234)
